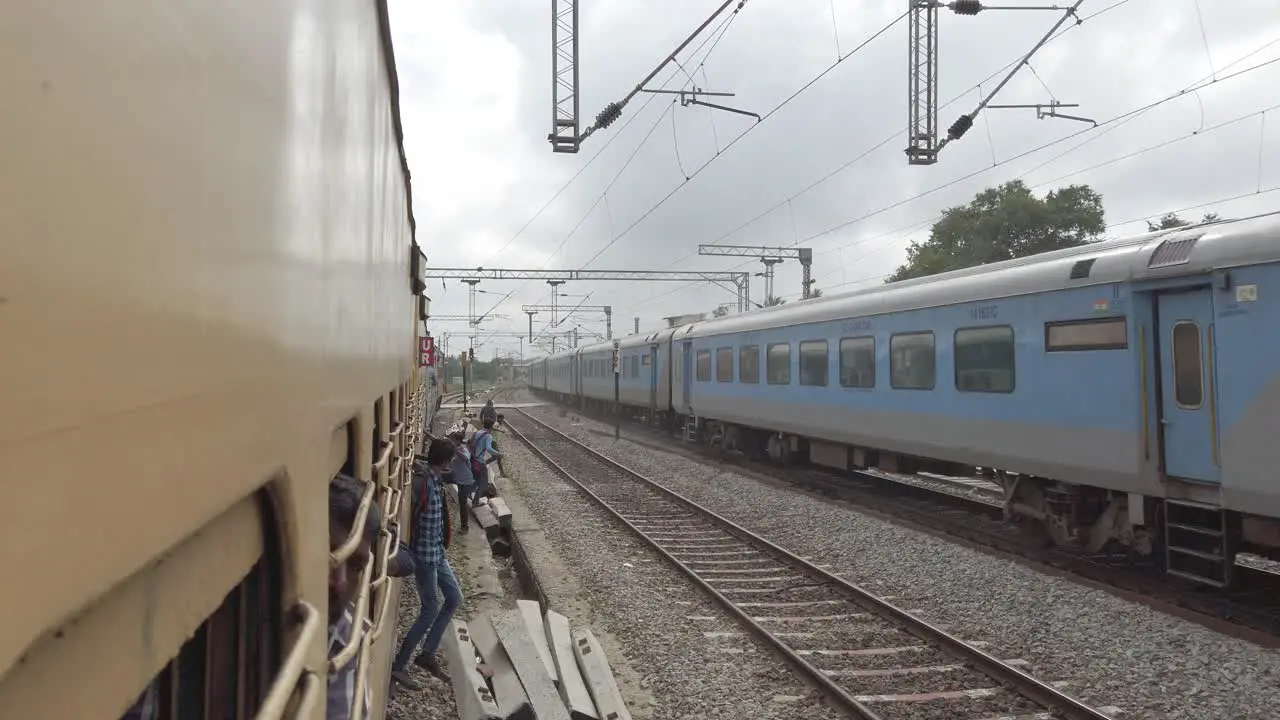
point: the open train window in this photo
(778, 364)
(1110, 333)
(912, 361)
(704, 366)
(724, 364)
(984, 359)
(1188, 378)
(814, 363)
(749, 364)
(858, 362)
(225, 670)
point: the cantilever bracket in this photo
(690, 97)
(1048, 110)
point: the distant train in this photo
(1127, 390)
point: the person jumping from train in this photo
(433, 573)
(462, 476)
(483, 453)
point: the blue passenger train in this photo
(1127, 390)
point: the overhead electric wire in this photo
(714, 38)
(888, 139)
(597, 155)
(867, 152)
(732, 143)
(1194, 87)
(1127, 156)
(1133, 219)
(1032, 151)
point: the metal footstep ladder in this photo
(1197, 543)
(690, 428)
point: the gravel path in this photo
(1108, 651)
(652, 620)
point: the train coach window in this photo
(749, 364)
(724, 364)
(704, 366)
(778, 364)
(814, 363)
(1094, 334)
(858, 362)
(1188, 380)
(911, 361)
(984, 359)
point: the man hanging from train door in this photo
(433, 573)
(345, 494)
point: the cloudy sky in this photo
(475, 77)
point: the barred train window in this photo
(858, 362)
(778, 364)
(912, 365)
(984, 359)
(724, 364)
(813, 363)
(704, 366)
(749, 364)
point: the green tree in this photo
(774, 300)
(1171, 220)
(1003, 223)
(720, 311)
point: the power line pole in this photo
(564, 77)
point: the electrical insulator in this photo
(966, 7)
(960, 127)
(611, 112)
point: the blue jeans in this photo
(433, 619)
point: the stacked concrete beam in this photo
(538, 667)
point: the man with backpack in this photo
(482, 453)
(431, 532)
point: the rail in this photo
(1003, 673)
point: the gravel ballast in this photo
(1107, 651)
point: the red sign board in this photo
(426, 351)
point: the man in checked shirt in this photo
(430, 538)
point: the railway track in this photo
(870, 658)
(970, 510)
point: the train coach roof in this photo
(1179, 251)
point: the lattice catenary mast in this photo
(922, 76)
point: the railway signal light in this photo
(471, 355)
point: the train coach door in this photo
(1187, 387)
(653, 381)
(686, 374)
